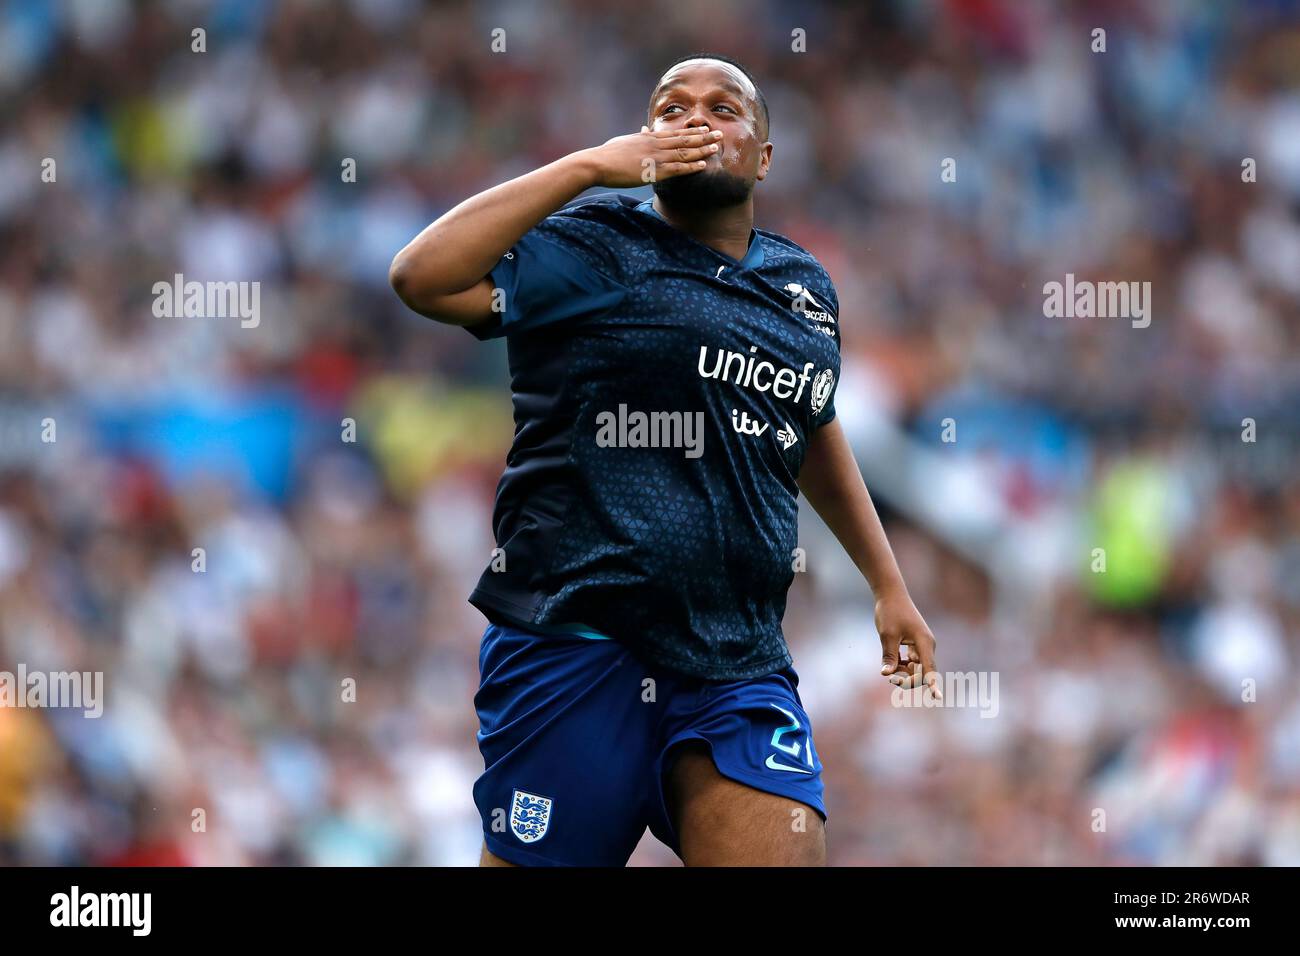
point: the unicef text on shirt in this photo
(749, 371)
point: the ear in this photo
(764, 161)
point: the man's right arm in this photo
(443, 272)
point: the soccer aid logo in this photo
(821, 390)
(529, 816)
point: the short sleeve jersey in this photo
(664, 397)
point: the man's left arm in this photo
(833, 485)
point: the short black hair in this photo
(762, 100)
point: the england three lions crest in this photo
(530, 815)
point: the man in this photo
(673, 372)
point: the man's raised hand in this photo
(649, 156)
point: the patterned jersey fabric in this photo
(664, 396)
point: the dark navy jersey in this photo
(664, 397)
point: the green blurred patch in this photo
(1130, 520)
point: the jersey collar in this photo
(753, 256)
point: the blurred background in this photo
(329, 559)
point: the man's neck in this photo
(726, 230)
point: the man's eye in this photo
(669, 108)
(724, 106)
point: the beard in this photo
(707, 189)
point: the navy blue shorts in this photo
(575, 736)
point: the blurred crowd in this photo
(240, 526)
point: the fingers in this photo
(683, 159)
(680, 151)
(908, 662)
(907, 676)
(695, 136)
(925, 648)
(668, 170)
(889, 654)
(920, 663)
(686, 154)
(910, 675)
